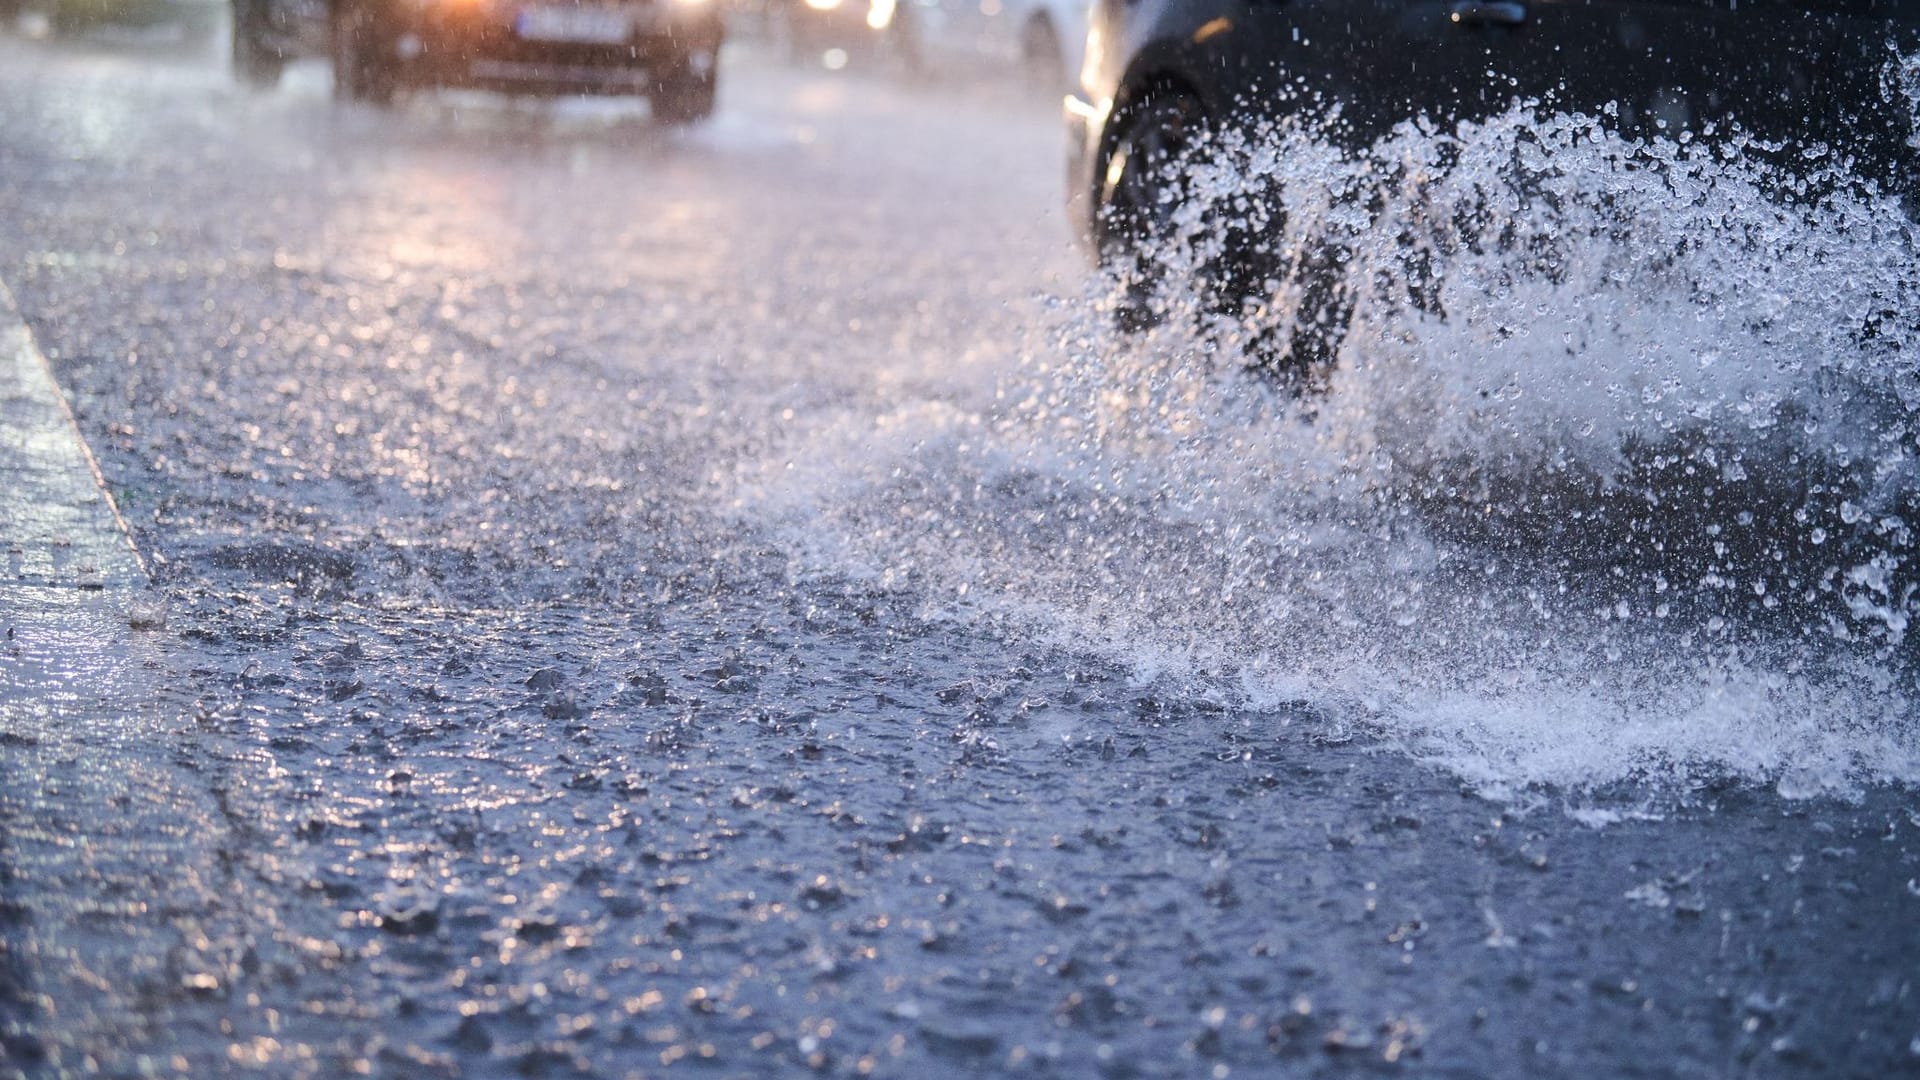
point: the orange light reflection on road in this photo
(439, 221)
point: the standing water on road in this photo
(1613, 477)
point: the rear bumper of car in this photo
(482, 51)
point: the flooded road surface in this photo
(724, 603)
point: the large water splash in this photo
(1612, 475)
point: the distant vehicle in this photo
(1805, 73)
(1042, 40)
(665, 50)
(850, 28)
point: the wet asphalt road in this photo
(490, 734)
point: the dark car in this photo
(665, 50)
(1800, 80)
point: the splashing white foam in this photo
(1611, 481)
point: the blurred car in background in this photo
(836, 31)
(664, 50)
(1043, 39)
(1040, 41)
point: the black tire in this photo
(1147, 184)
(362, 53)
(1143, 184)
(686, 93)
(256, 62)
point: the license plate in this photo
(599, 26)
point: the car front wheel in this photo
(1146, 234)
(1140, 193)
